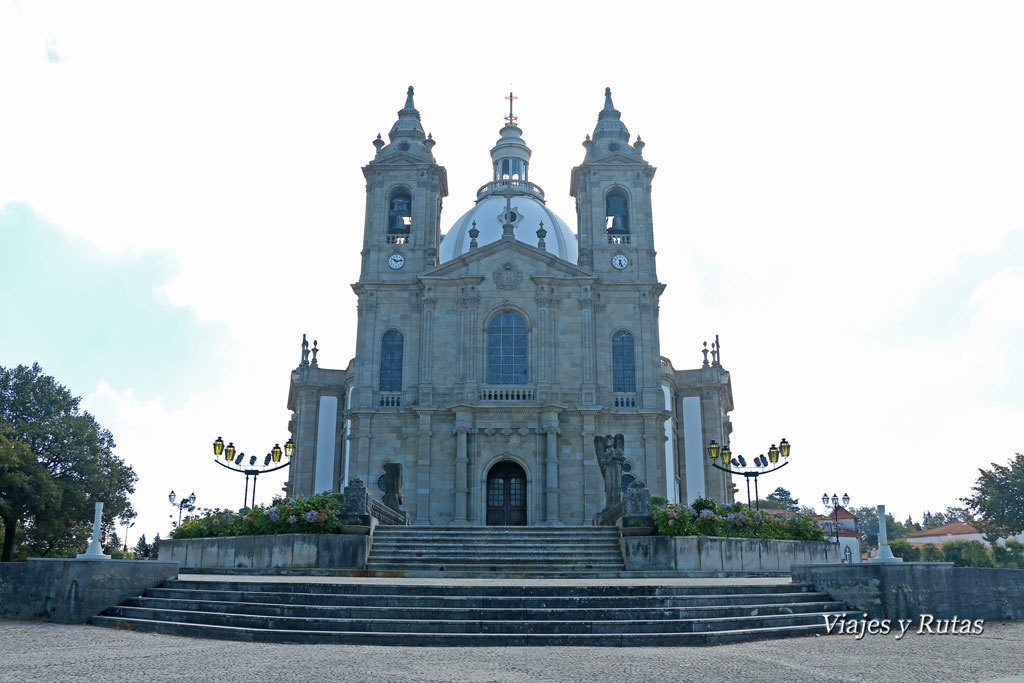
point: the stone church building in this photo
(489, 357)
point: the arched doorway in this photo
(506, 495)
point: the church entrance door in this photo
(506, 495)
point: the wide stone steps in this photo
(505, 551)
(470, 615)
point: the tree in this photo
(75, 453)
(783, 496)
(26, 488)
(155, 548)
(998, 499)
(142, 549)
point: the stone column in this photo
(426, 343)
(549, 422)
(461, 474)
(421, 508)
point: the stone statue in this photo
(392, 482)
(314, 352)
(610, 456)
(305, 350)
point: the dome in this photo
(560, 240)
(510, 160)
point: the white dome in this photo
(560, 240)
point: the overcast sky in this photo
(838, 195)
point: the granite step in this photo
(266, 635)
(523, 614)
(486, 601)
(469, 626)
(461, 614)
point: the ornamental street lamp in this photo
(238, 459)
(188, 503)
(835, 509)
(740, 467)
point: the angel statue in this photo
(610, 457)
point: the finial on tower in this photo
(408, 99)
(511, 119)
(608, 100)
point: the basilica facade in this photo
(489, 357)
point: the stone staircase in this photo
(459, 614)
(496, 551)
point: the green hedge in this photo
(963, 553)
(319, 514)
(705, 517)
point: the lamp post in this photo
(186, 502)
(128, 525)
(231, 455)
(834, 502)
(740, 467)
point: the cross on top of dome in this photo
(511, 119)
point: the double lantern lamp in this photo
(229, 453)
(760, 462)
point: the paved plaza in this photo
(33, 651)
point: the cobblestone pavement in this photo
(31, 651)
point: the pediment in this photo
(491, 258)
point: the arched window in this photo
(391, 361)
(400, 213)
(623, 362)
(616, 209)
(506, 349)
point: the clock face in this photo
(396, 261)
(620, 261)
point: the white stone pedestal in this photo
(95, 549)
(884, 551)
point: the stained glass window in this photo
(506, 349)
(623, 362)
(391, 361)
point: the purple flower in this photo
(310, 516)
(292, 519)
(274, 515)
(338, 512)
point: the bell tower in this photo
(404, 191)
(612, 188)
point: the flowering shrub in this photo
(319, 514)
(707, 518)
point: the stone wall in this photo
(909, 589)
(712, 553)
(71, 591)
(297, 551)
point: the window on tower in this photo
(617, 217)
(391, 361)
(399, 213)
(623, 362)
(506, 349)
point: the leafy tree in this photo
(902, 548)
(26, 488)
(783, 496)
(1009, 555)
(998, 499)
(76, 454)
(932, 553)
(967, 553)
(155, 548)
(951, 515)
